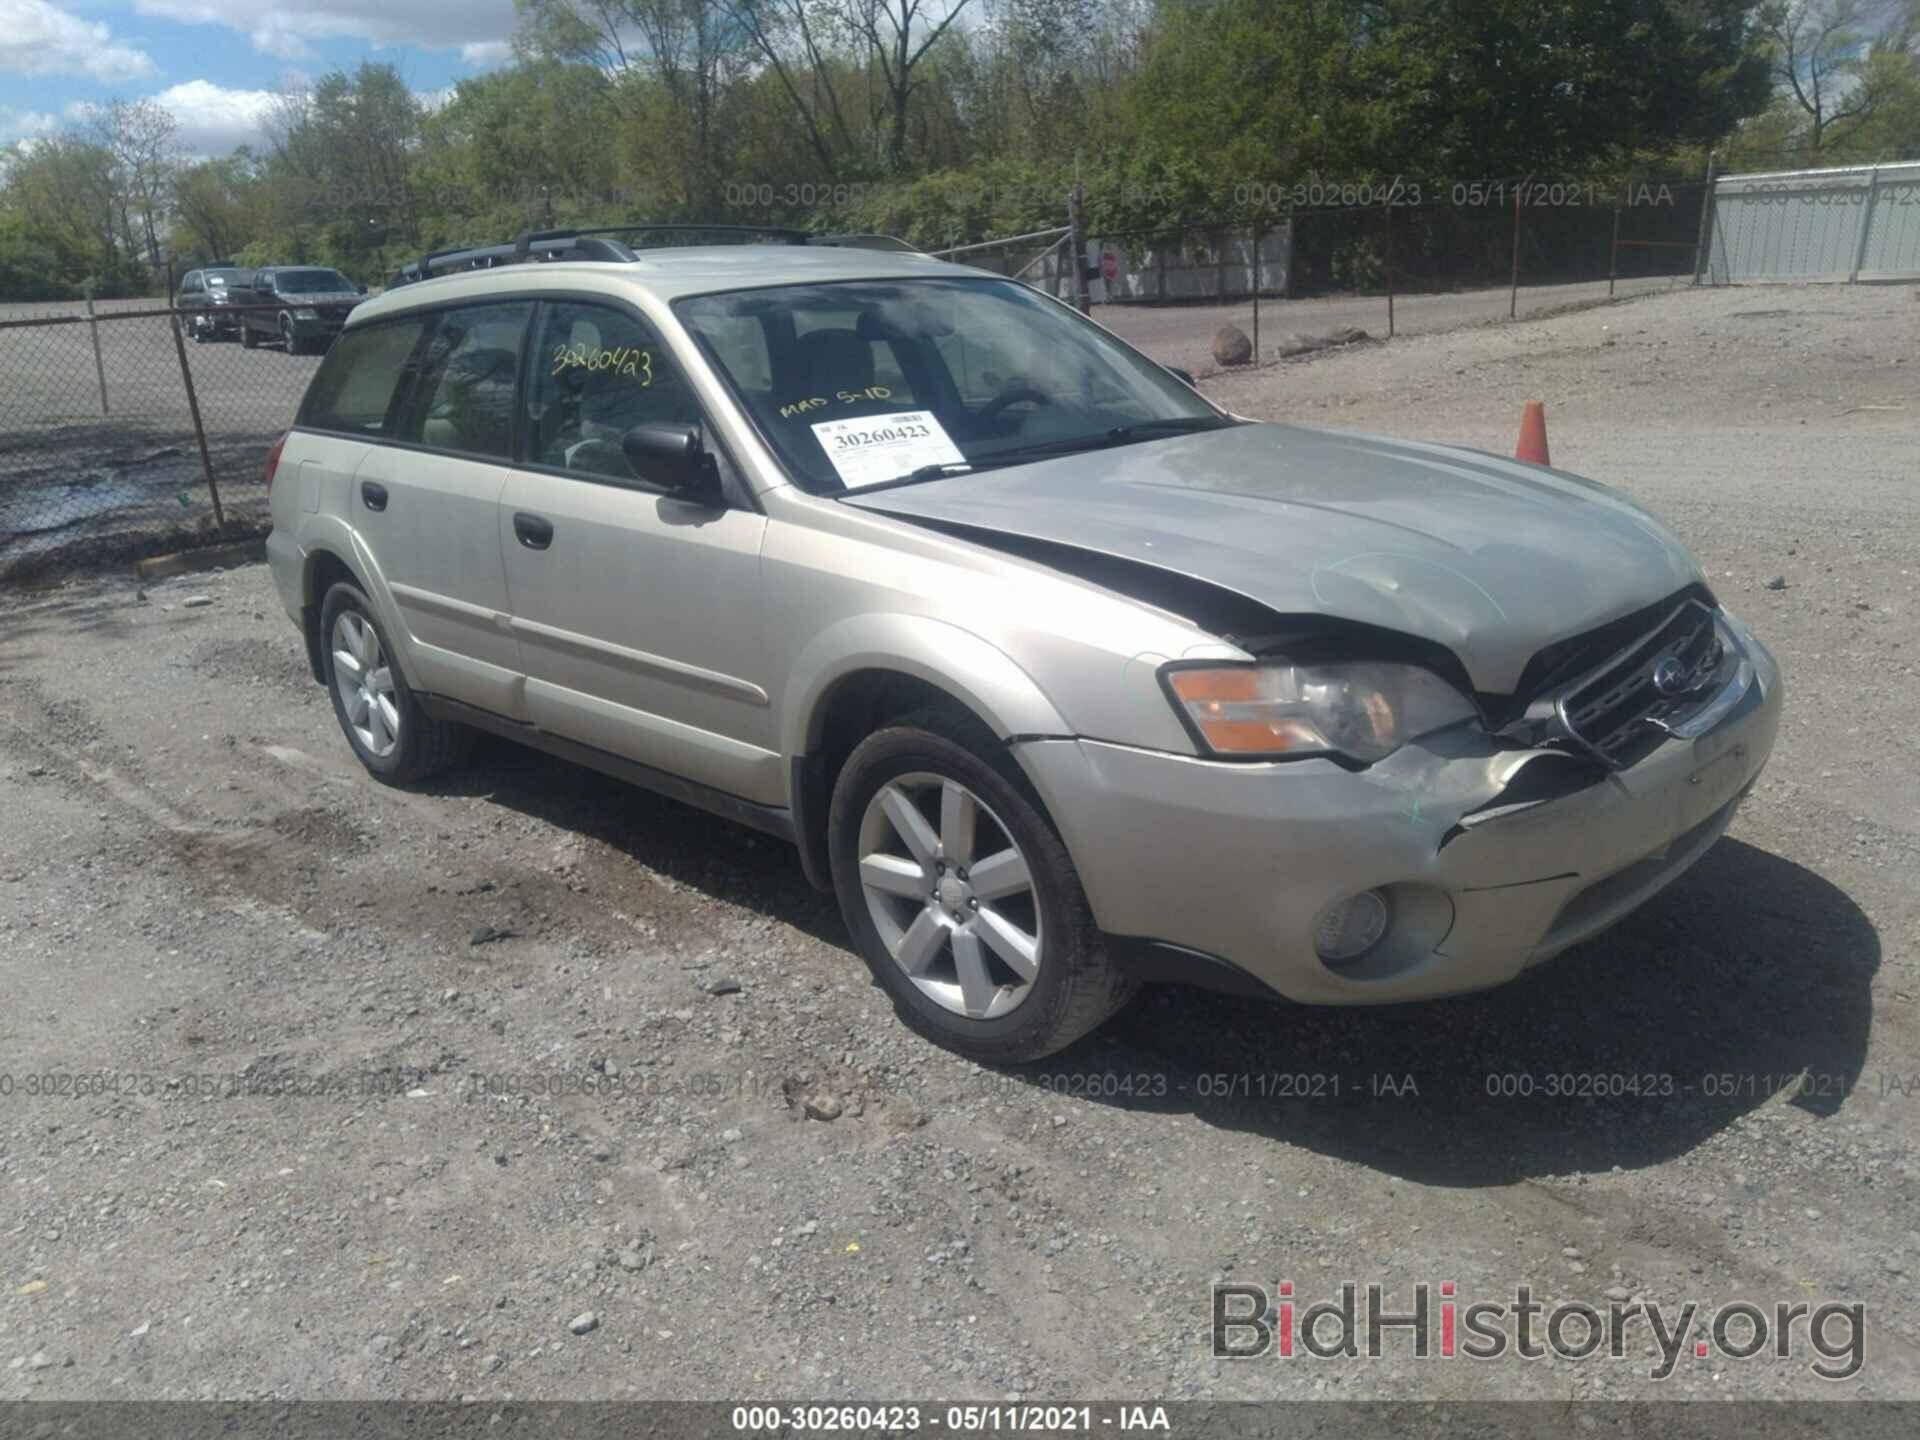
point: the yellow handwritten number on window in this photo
(625, 360)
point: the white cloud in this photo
(213, 119)
(24, 124)
(37, 38)
(286, 31)
(210, 119)
(486, 52)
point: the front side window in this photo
(355, 387)
(861, 383)
(462, 394)
(596, 373)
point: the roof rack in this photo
(598, 243)
(784, 235)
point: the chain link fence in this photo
(1410, 260)
(120, 438)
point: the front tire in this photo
(391, 734)
(961, 896)
(289, 340)
(249, 337)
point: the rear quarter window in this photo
(355, 386)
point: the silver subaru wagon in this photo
(1058, 676)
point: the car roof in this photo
(670, 274)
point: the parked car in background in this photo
(1060, 677)
(301, 306)
(209, 296)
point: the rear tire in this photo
(383, 721)
(976, 925)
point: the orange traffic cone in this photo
(1533, 435)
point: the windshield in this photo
(223, 277)
(864, 383)
(310, 282)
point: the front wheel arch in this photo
(858, 704)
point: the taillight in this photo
(273, 460)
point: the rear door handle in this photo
(534, 532)
(374, 495)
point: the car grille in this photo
(1621, 710)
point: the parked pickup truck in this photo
(301, 306)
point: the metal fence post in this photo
(1389, 266)
(1513, 297)
(99, 368)
(1702, 247)
(1254, 275)
(199, 430)
(1613, 250)
(1866, 226)
(1077, 229)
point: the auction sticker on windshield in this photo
(877, 448)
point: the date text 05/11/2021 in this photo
(1012, 1419)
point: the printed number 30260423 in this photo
(860, 439)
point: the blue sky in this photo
(214, 63)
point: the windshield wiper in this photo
(1066, 445)
(1104, 439)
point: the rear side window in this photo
(355, 387)
(462, 394)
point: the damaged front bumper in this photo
(1491, 858)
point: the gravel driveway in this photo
(528, 1084)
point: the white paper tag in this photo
(884, 447)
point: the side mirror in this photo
(1184, 376)
(674, 457)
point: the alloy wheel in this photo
(951, 894)
(364, 680)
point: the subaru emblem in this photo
(1670, 676)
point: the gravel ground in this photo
(581, 1157)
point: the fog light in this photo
(1352, 927)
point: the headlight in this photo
(1365, 709)
(306, 314)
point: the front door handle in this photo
(374, 495)
(534, 532)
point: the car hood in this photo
(1490, 557)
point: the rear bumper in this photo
(1239, 862)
